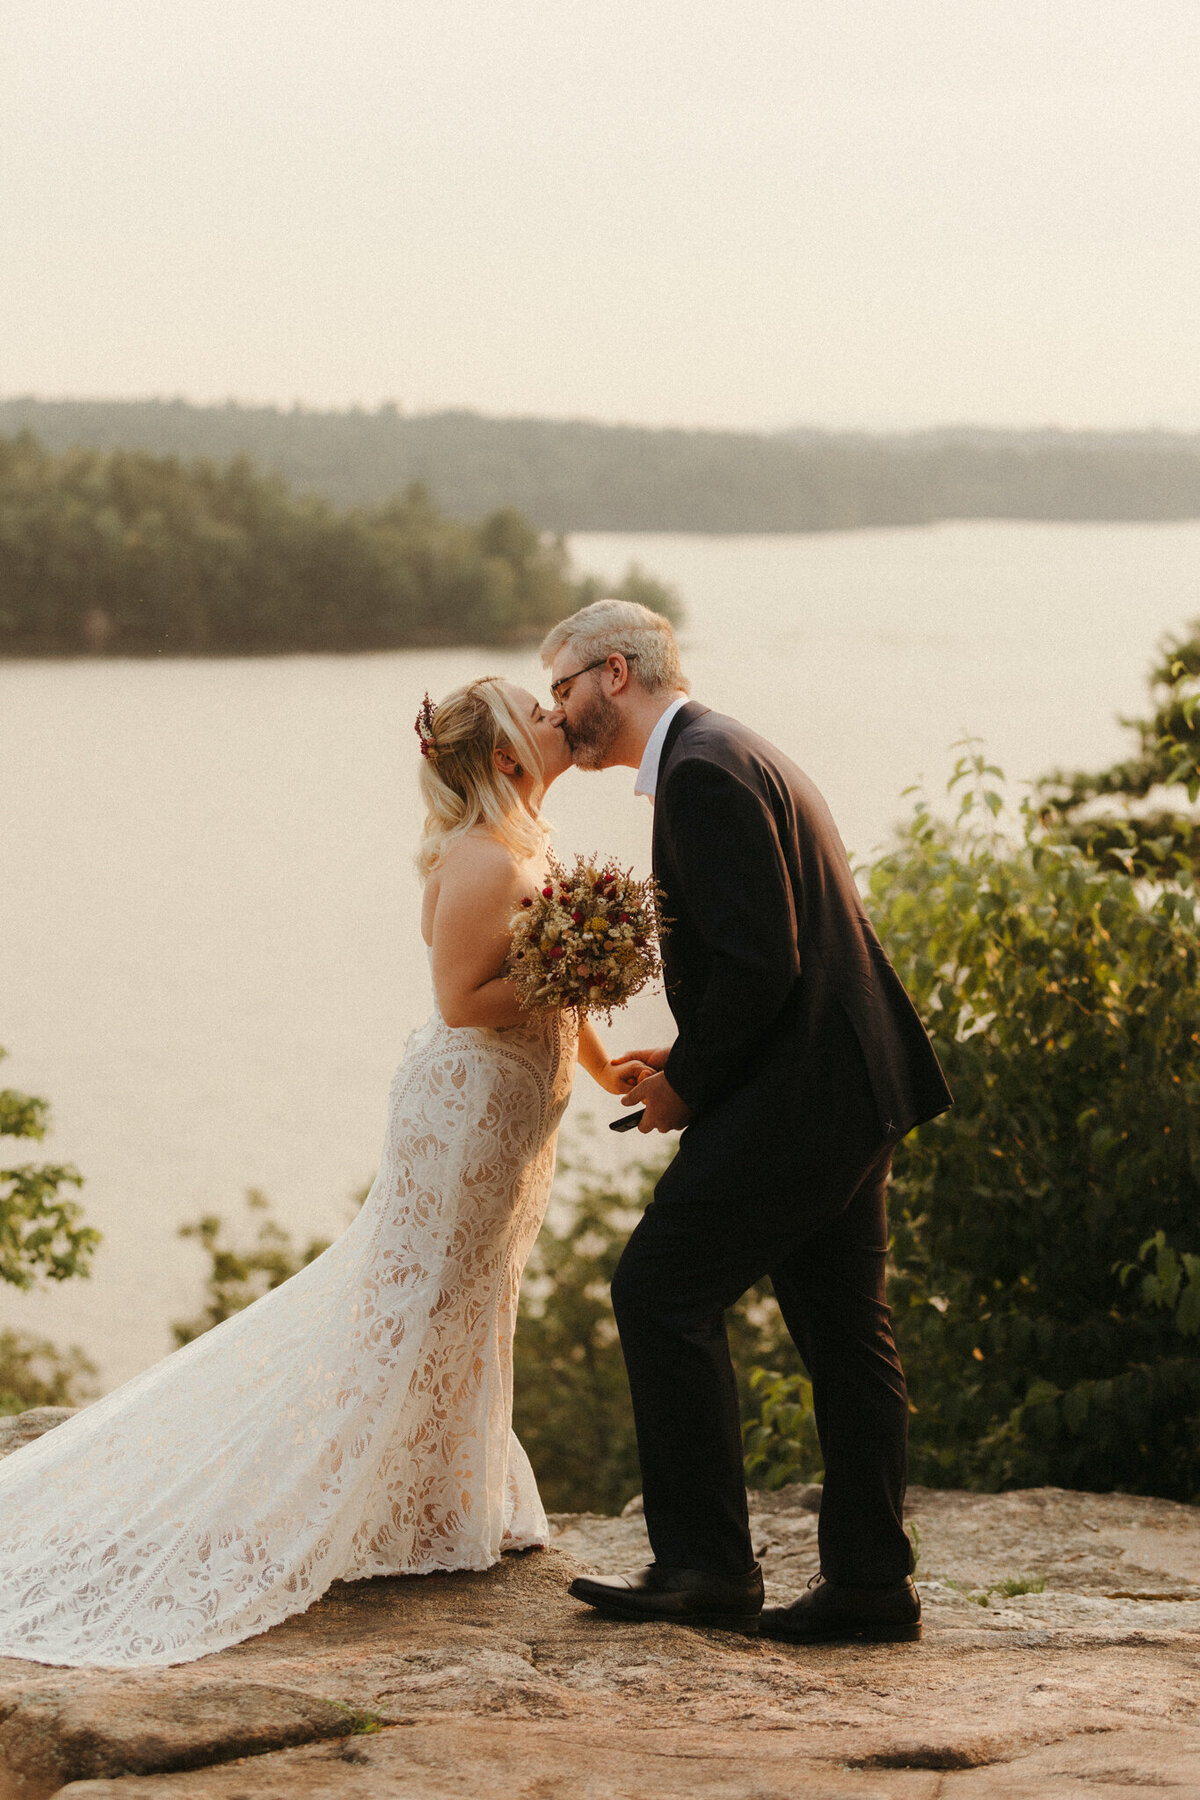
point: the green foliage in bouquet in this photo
(1061, 995)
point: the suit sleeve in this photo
(734, 882)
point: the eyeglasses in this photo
(561, 688)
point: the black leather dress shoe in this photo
(828, 1614)
(677, 1596)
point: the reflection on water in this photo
(209, 955)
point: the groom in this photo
(798, 1066)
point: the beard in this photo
(593, 733)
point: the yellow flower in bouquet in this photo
(588, 938)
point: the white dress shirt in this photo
(647, 775)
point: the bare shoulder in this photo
(479, 865)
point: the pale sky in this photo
(744, 213)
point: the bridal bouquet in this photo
(587, 939)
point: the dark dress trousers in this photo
(804, 1062)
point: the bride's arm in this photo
(596, 1060)
(477, 893)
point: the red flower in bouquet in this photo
(588, 940)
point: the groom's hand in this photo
(664, 1110)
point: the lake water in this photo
(209, 954)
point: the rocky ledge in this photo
(1061, 1658)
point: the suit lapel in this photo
(683, 718)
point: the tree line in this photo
(126, 553)
(577, 475)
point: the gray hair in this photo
(621, 627)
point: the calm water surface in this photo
(209, 954)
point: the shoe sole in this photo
(711, 1621)
(849, 1634)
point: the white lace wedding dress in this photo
(356, 1421)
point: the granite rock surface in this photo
(1061, 1659)
(17, 1429)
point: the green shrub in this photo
(1062, 1001)
(780, 1434)
(35, 1373)
(240, 1274)
(42, 1233)
(1141, 814)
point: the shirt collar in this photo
(647, 776)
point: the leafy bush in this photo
(1061, 999)
(42, 1236)
(1133, 816)
(41, 1228)
(1044, 1285)
(1172, 1284)
(237, 1276)
(780, 1435)
(35, 1373)
(1046, 1305)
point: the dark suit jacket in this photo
(768, 954)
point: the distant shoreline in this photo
(580, 476)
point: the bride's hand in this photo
(616, 1080)
(651, 1059)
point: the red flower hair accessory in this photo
(424, 726)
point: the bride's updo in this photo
(460, 783)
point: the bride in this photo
(355, 1421)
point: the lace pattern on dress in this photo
(355, 1421)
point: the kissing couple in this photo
(357, 1420)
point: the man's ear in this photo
(618, 668)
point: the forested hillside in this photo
(131, 554)
(575, 475)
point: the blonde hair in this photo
(622, 626)
(460, 783)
